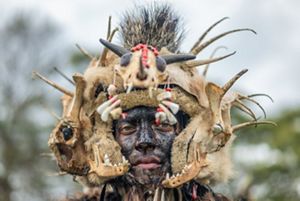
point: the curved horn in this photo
(118, 50)
(177, 58)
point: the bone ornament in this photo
(189, 172)
(110, 107)
(164, 115)
(83, 141)
(66, 140)
(104, 168)
(143, 67)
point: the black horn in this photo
(118, 50)
(177, 58)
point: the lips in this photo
(147, 162)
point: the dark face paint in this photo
(146, 145)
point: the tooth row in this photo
(186, 167)
(108, 163)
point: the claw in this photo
(188, 173)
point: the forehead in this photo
(139, 113)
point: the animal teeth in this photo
(106, 160)
(161, 116)
(129, 88)
(111, 89)
(171, 118)
(167, 176)
(177, 174)
(172, 106)
(115, 165)
(183, 171)
(164, 95)
(105, 114)
(173, 176)
(107, 103)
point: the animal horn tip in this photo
(102, 40)
(244, 70)
(253, 31)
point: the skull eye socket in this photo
(125, 59)
(100, 88)
(67, 132)
(161, 64)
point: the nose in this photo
(146, 141)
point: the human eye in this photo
(164, 127)
(126, 129)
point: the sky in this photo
(272, 56)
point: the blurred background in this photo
(40, 35)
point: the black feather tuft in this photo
(154, 24)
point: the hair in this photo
(154, 24)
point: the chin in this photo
(149, 174)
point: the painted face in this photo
(146, 145)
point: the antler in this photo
(206, 32)
(251, 123)
(196, 63)
(109, 37)
(84, 52)
(199, 48)
(211, 56)
(56, 86)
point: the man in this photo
(148, 147)
(142, 124)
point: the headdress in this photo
(145, 75)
